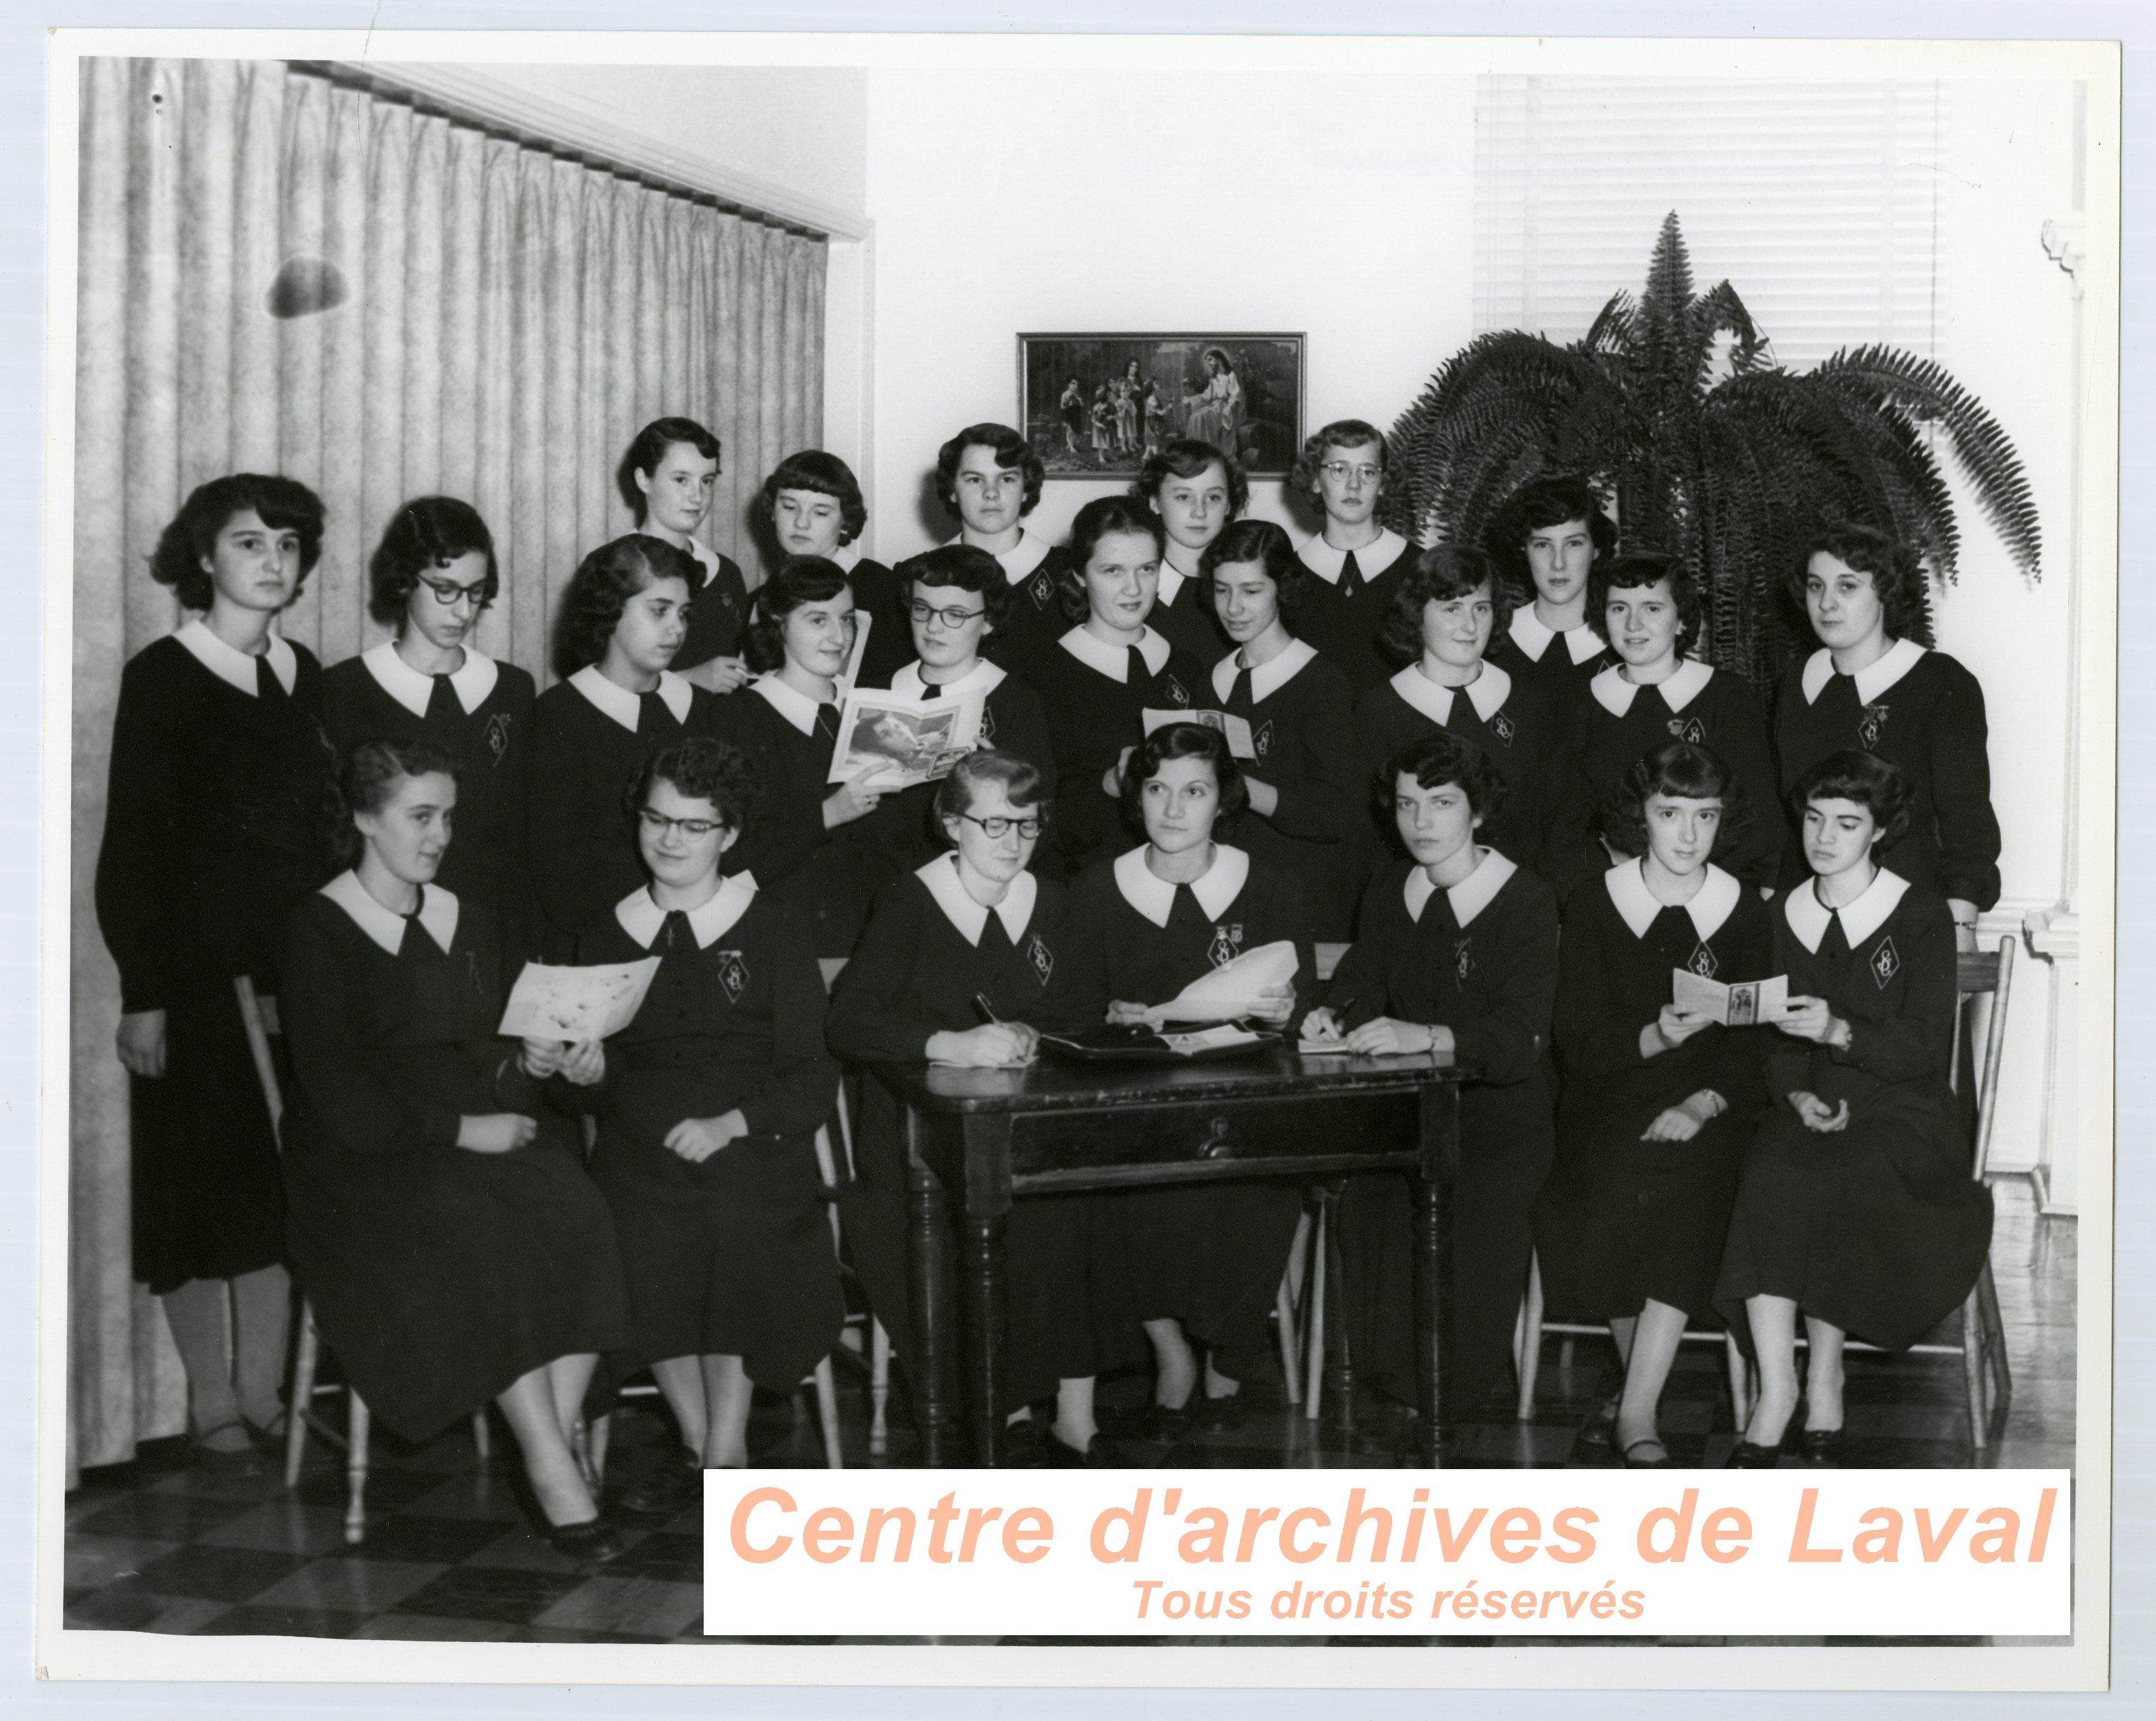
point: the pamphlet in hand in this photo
(576, 1004)
(1743, 1005)
(1231, 991)
(901, 741)
(1237, 731)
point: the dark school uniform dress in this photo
(1344, 611)
(1619, 723)
(482, 714)
(1480, 958)
(1013, 720)
(825, 875)
(1035, 571)
(1301, 718)
(439, 1275)
(1925, 711)
(1097, 696)
(929, 951)
(877, 596)
(212, 831)
(1877, 1229)
(732, 1256)
(1622, 1220)
(589, 738)
(1210, 1256)
(718, 610)
(1557, 665)
(1183, 616)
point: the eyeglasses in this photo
(658, 823)
(452, 596)
(927, 612)
(1337, 471)
(996, 829)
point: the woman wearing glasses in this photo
(964, 962)
(429, 578)
(1359, 562)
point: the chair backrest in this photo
(1327, 958)
(1978, 974)
(256, 1021)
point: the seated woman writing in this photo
(438, 1216)
(1856, 1205)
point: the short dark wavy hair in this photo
(1438, 575)
(1182, 741)
(1640, 567)
(283, 504)
(1095, 521)
(1554, 499)
(1341, 432)
(368, 780)
(1269, 546)
(1681, 769)
(1876, 784)
(603, 583)
(1188, 457)
(1898, 575)
(826, 475)
(1433, 760)
(804, 579)
(700, 768)
(959, 568)
(1024, 783)
(649, 448)
(427, 534)
(1012, 451)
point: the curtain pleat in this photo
(280, 273)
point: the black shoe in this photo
(1822, 1448)
(669, 1489)
(1166, 1424)
(1099, 1454)
(1223, 1414)
(1746, 1456)
(591, 1542)
(235, 1463)
(1018, 1447)
(1601, 1428)
(1664, 1462)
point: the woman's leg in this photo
(1775, 1340)
(1074, 1426)
(567, 1379)
(1175, 1363)
(726, 1395)
(1650, 1347)
(528, 1407)
(197, 1313)
(682, 1384)
(261, 1320)
(1217, 1384)
(1822, 1377)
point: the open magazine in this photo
(903, 741)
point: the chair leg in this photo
(1285, 1305)
(1973, 1369)
(1994, 1338)
(482, 1434)
(1527, 1347)
(1313, 1374)
(1740, 1381)
(598, 1432)
(826, 1408)
(304, 1360)
(879, 1388)
(355, 1471)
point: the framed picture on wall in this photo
(1093, 406)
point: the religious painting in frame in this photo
(1094, 406)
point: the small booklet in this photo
(1237, 731)
(1743, 1005)
(903, 741)
(576, 1004)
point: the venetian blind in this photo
(1821, 203)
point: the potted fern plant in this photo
(1672, 406)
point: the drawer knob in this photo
(1216, 1144)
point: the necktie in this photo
(929, 690)
(441, 704)
(652, 716)
(827, 721)
(1135, 672)
(674, 933)
(267, 686)
(1240, 697)
(1350, 576)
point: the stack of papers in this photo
(1231, 991)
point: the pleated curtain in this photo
(281, 272)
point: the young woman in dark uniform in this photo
(1658, 1102)
(813, 503)
(1106, 672)
(1199, 1263)
(624, 618)
(430, 577)
(1455, 951)
(810, 844)
(708, 1104)
(1300, 805)
(667, 479)
(1649, 607)
(1357, 562)
(989, 478)
(1198, 492)
(219, 766)
(972, 925)
(440, 1216)
(1856, 1206)
(1875, 685)
(1547, 539)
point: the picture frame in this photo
(1094, 405)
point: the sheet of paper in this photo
(1209, 1039)
(576, 1004)
(1233, 988)
(1742, 1003)
(1237, 731)
(903, 742)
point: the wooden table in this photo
(993, 1136)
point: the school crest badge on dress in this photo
(1501, 726)
(1886, 963)
(733, 975)
(1040, 958)
(1688, 729)
(1178, 694)
(1870, 722)
(496, 735)
(1463, 958)
(1262, 742)
(1702, 962)
(1043, 589)
(988, 730)
(1227, 944)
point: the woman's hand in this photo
(720, 675)
(1275, 1004)
(584, 1064)
(1386, 1036)
(1819, 1116)
(1811, 1019)
(1123, 1014)
(1682, 1122)
(496, 1132)
(1675, 1026)
(1111, 779)
(696, 1139)
(1320, 1027)
(542, 1058)
(853, 800)
(141, 1042)
(994, 1045)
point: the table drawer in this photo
(1165, 1141)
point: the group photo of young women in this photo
(1491, 794)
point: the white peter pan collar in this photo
(970, 918)
(1807, 916)
(641, 917)
(1486, 693)
(1268, 678)
(1615, 695)
(1371, 559)
(229, 664)
(1469, 897)
(985, 676)
(1533, 637)
(438, 912)
(702, 554)
(1172, 582)
(410, 689)
(1874, 678)
(621, 705)
(1711, 904)
(1113, 662)
(791, 703)
(1019, 561)
(846, 558)
(1154, 896)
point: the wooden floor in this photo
(157, 1546)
